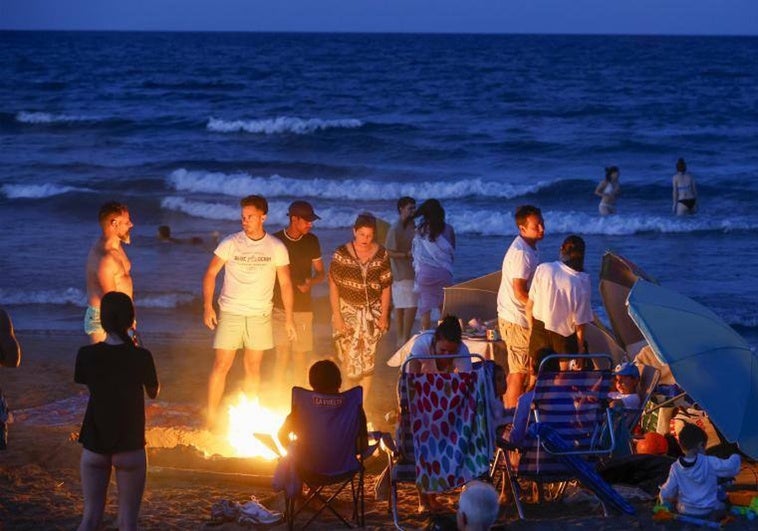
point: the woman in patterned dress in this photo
(359, 292)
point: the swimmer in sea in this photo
(684, 191)
(608, 189)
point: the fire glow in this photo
(246, 418)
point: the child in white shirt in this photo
(693, 479)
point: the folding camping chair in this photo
(572, 407)
(327, 454)
(445, 436)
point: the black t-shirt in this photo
(116, 376)
(303, 252)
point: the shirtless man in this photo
(108, 267)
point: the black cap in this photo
(303, 209)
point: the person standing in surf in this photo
(608, 189)
(684, 191)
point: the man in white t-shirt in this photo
(253, 261)
(519, 264)
(559, 303)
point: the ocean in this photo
(181, 125)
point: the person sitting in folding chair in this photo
(445, 340)
(324, 377)
(627, 377)
(327, 437)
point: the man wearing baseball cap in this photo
(306, 269)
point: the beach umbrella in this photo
(709, 360)
(475, 298)
(617, 276)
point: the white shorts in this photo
(403, 295)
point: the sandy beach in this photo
(39, 477)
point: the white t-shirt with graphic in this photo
(249, 273)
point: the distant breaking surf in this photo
(37, 191)
(239, 185)
(280, 125)
(25, 117)
(77, 297)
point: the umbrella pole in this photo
(666, 402)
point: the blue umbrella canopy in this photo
(709, 360)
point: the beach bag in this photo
(700, 419)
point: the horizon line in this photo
(351, 32)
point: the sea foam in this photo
(37, 191)
(331, 218)
(78, 297)
(74, 296)
(282, 124)
(240, 184)
(25, 117)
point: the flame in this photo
(246, 418)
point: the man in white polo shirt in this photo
(519, 264)
(254, 260)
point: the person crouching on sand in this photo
(693, 479)
(113, 430)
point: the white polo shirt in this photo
(519, 261)
(561, 297)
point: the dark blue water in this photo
(180, 125)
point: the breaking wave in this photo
(500, 223)
(37, 191)
(282, 124)
(78, 297)
(240, 184)
(25, 117)
(331, 218)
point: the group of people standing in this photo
(540, 306)
(684, 191)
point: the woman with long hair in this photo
(433, 251)
(608, 190)
(117, 374)
(360, 281)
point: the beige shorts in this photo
(403, 295)
(303, 327)
(516, 339)
(252, 332)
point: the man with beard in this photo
(108, 267)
